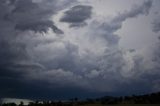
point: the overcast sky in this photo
(79, 48)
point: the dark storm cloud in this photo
(55, 65)
(41, 26)
(28, 15)
(23, 15)
(77, 15)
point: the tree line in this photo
(153, 98)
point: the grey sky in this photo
(70, 48)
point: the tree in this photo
(21, 103)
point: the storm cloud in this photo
(156, 24)
(28, 15)
(77, 15)
(85, 60)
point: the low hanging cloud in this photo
(77, 15)
(86, 60)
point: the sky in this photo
(16, 101)
(60, 49)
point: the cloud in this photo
(39, 27)
(77, 15)
(22, 19)
(96, 70)
(107, 29)
(84, 59)
(156, 24)
(28, 15)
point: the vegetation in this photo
(142, 100)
